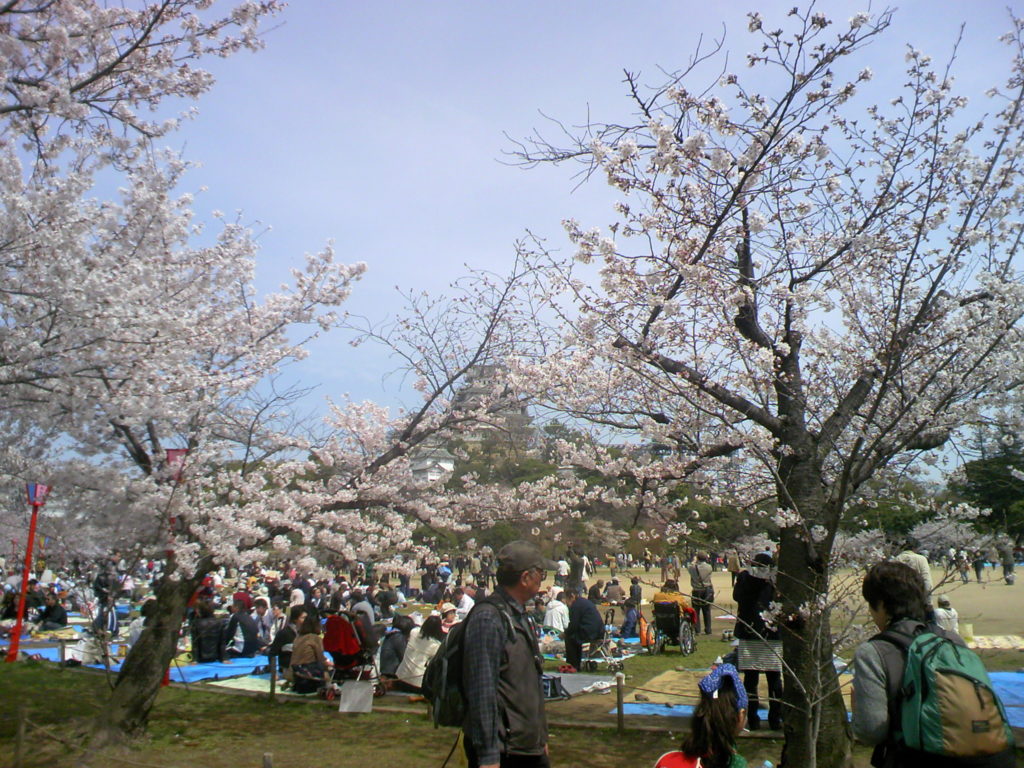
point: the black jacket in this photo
(250, 633)
(752, 595)
(391, 652)
(282, 646)
(585, 624)
(206, 639)
(55, 614)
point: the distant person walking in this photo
(912, 557)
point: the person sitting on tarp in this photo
(283, 642)
(206, 631)
(392, 648)
(52, 616)
(241, 637)
(143, 620)
(630, 620)
(309, 668)
(419, 650)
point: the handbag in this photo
(356, 696)
(553, 688)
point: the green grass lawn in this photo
(194, 729)
(198, 729)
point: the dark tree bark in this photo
(138, 682)
(809, 675)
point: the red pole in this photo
(12, 653)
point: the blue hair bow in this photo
(712, 683)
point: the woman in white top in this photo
(423, 644)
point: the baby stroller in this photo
(673, 625)
(353, 647)
(605, 650)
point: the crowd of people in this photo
(317, 628)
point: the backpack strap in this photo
(892, 646)
(496, 602)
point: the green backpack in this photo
(943, 710)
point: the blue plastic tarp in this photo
(1009, 686)
(659, 710)
(190, 673)
(1010, 689)
(184, 673)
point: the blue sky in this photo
(380, 125)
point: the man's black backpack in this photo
(442, 679)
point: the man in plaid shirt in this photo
(502, 666)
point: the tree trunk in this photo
(816, 728)
(142, 672)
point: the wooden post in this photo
(19, 739)
(273, 677)
(268, 760)
(620, 694)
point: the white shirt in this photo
(920, 564)
(418, 653)
(557, 615)
(464, 607)
(563, 567)
(948, 619)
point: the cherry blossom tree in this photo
(801, 289)
(128, 330)
(122, 336)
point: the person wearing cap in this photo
(718, 719)
(556, 613)
(946, 616)
(502, 666)
(760, 649)
(449, 616)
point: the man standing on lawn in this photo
(505, 722)
(585, 627)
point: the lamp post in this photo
(36, 493)
(175, 464)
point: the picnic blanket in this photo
(182, 672)
(679, 687)
(658, 710)
(259, 683)
(1009, 686)
(217, 670)
(1010, 689)
(561, 657)
(997, 642)
(575, 683)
